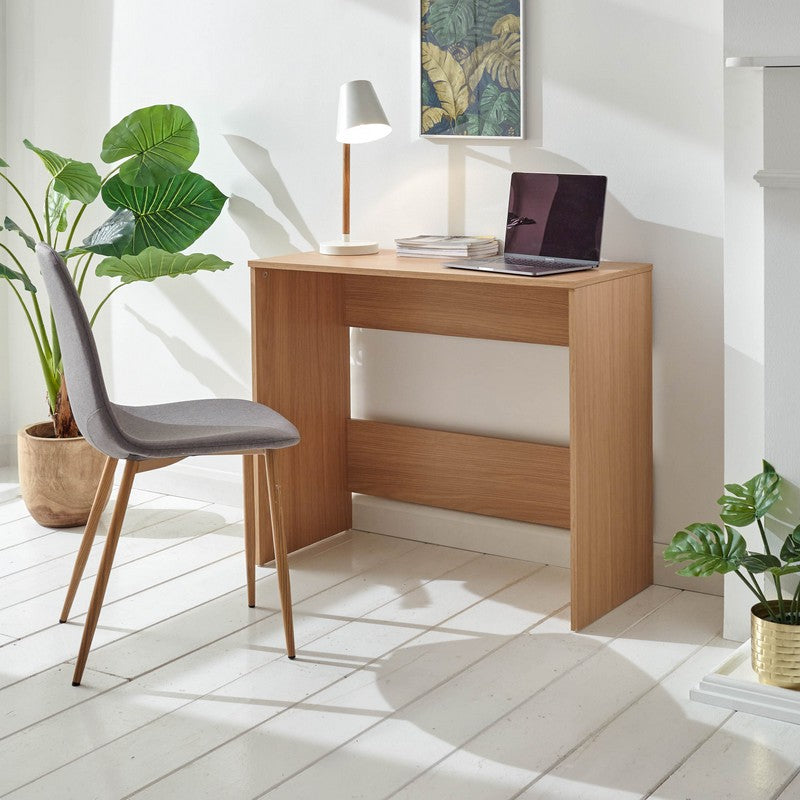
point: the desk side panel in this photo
(523, 312)
(301, 368)
(611, 435)
(483, 475)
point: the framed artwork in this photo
(471, 70)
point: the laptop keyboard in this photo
(546, 265)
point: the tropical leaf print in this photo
(451, 20)
(430, 116)
(471, 67)
(502, 60)
(448, 79)
(506, 24)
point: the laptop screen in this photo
(560, 216)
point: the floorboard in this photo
(423, 672)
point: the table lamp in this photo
(361, 119)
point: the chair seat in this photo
(202, 427)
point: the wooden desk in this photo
(600, 487)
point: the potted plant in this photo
(158, 208)
(706, 548)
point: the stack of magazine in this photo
(447, 246)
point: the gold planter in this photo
(774, 649)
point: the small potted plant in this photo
(706, 548)
(158, 208)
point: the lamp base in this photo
(342, 248)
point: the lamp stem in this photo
(346, 192)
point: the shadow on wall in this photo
(207, 371)
(688, 358)
(264, 233)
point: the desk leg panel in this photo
(301, 368)
(611, 434)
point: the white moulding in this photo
(758, 62)
(734, 685)
(778, 178)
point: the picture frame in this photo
(471, 69)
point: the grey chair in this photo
(149, 437)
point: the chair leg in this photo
(281, 560)
(100, 502)
(105, 568)
(248, 474)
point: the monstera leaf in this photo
(12, 226)
(498, 108)
(162, 141)
(76, 180)
(747, 502)
(506, 24)
(790, 552)
(447, 77)
(707, 549)
(451, 20)
(170, 216)
(431, 115)
(153, 263)
(502, 60)
(759, 562)
(487, 13)
(12, 275)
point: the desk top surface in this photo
(387, 263)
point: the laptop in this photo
(555, 223)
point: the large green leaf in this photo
(12, 275)
(170, 216)
(749, 501)
(77, 180)
(707, 549)
(3, 164)
(57, 205)
(112, 238)
(162, 140)
(12, 226)
(153, 263)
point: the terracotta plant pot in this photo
(775, 649)
(58, 477)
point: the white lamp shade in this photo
(361, 118)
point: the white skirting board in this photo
(734, 685)
(408, 521)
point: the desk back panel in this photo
(524, 312)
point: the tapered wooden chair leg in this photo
(248, 475)
(281, 560)
(105, 568)
(100, 501)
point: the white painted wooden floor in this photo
(422, 672)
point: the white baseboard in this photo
(196, 482)
(500, 537)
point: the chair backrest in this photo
(87, 391)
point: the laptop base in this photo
(532, 270)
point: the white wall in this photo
(762, 114)
(5, 419)
(625, 88)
